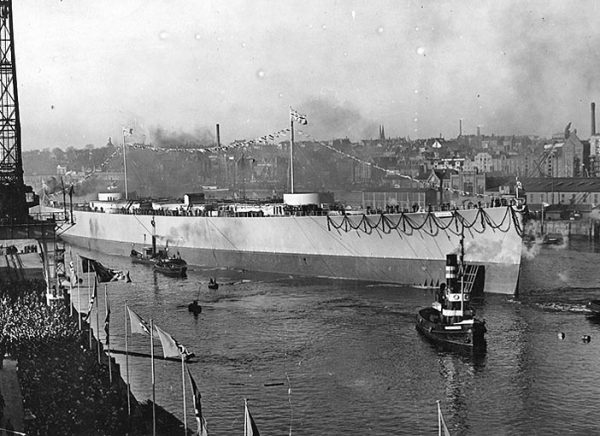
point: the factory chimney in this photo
(218, 137)
(593, 118)
(459, 128)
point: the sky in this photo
(86, 69)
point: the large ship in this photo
(402, 248)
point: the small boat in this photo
(148, 256)
(172, 267)
(450, 321)
(194, 307)
(552, 239)
(594, 307)
(212, 284)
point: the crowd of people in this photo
(64, 387)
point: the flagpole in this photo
(127, 363)
(291, 153)
(89, 321)
(108, 335)
(71, 295)
(153, 390)
(78, 298)
(183, 389)
(439, 419)
(97, 322)
(124, 164)
(245, 417)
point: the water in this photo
(351, 356)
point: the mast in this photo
(125, 164)
(291, 154)
(462, 270)
(153, 222)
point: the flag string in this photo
(270, 139)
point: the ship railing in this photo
(448, 209)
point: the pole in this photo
(462, 271)
(439, 419)
(89, 321)
(125, 165)
(183, 389)
(127, 364)
(78, 298)
(291, 154)
(97, 324)
(245, 417)
(543, 218)
(71, 295)
(153, 387)
(107, 335)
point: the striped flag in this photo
(202, 431)
(298, 117)
(250, 428)
(138, 325)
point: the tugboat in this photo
(149, 256)
(172, 267)
(450, 321)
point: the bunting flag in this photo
(250, 428)
(138, 325)
(171, 348)
(202, 431)
(107, 319)
(92, 300)
(387, 170)
(103, 273)
(297, 117)
(442, 428)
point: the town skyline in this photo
(86, 70)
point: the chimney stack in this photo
(218, 136)
(460, 127)
(593, 118)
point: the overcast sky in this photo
(87, 68)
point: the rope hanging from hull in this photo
(430, 225)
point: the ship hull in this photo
(315, 246)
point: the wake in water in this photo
(571, 300)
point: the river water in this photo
(327, 357)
